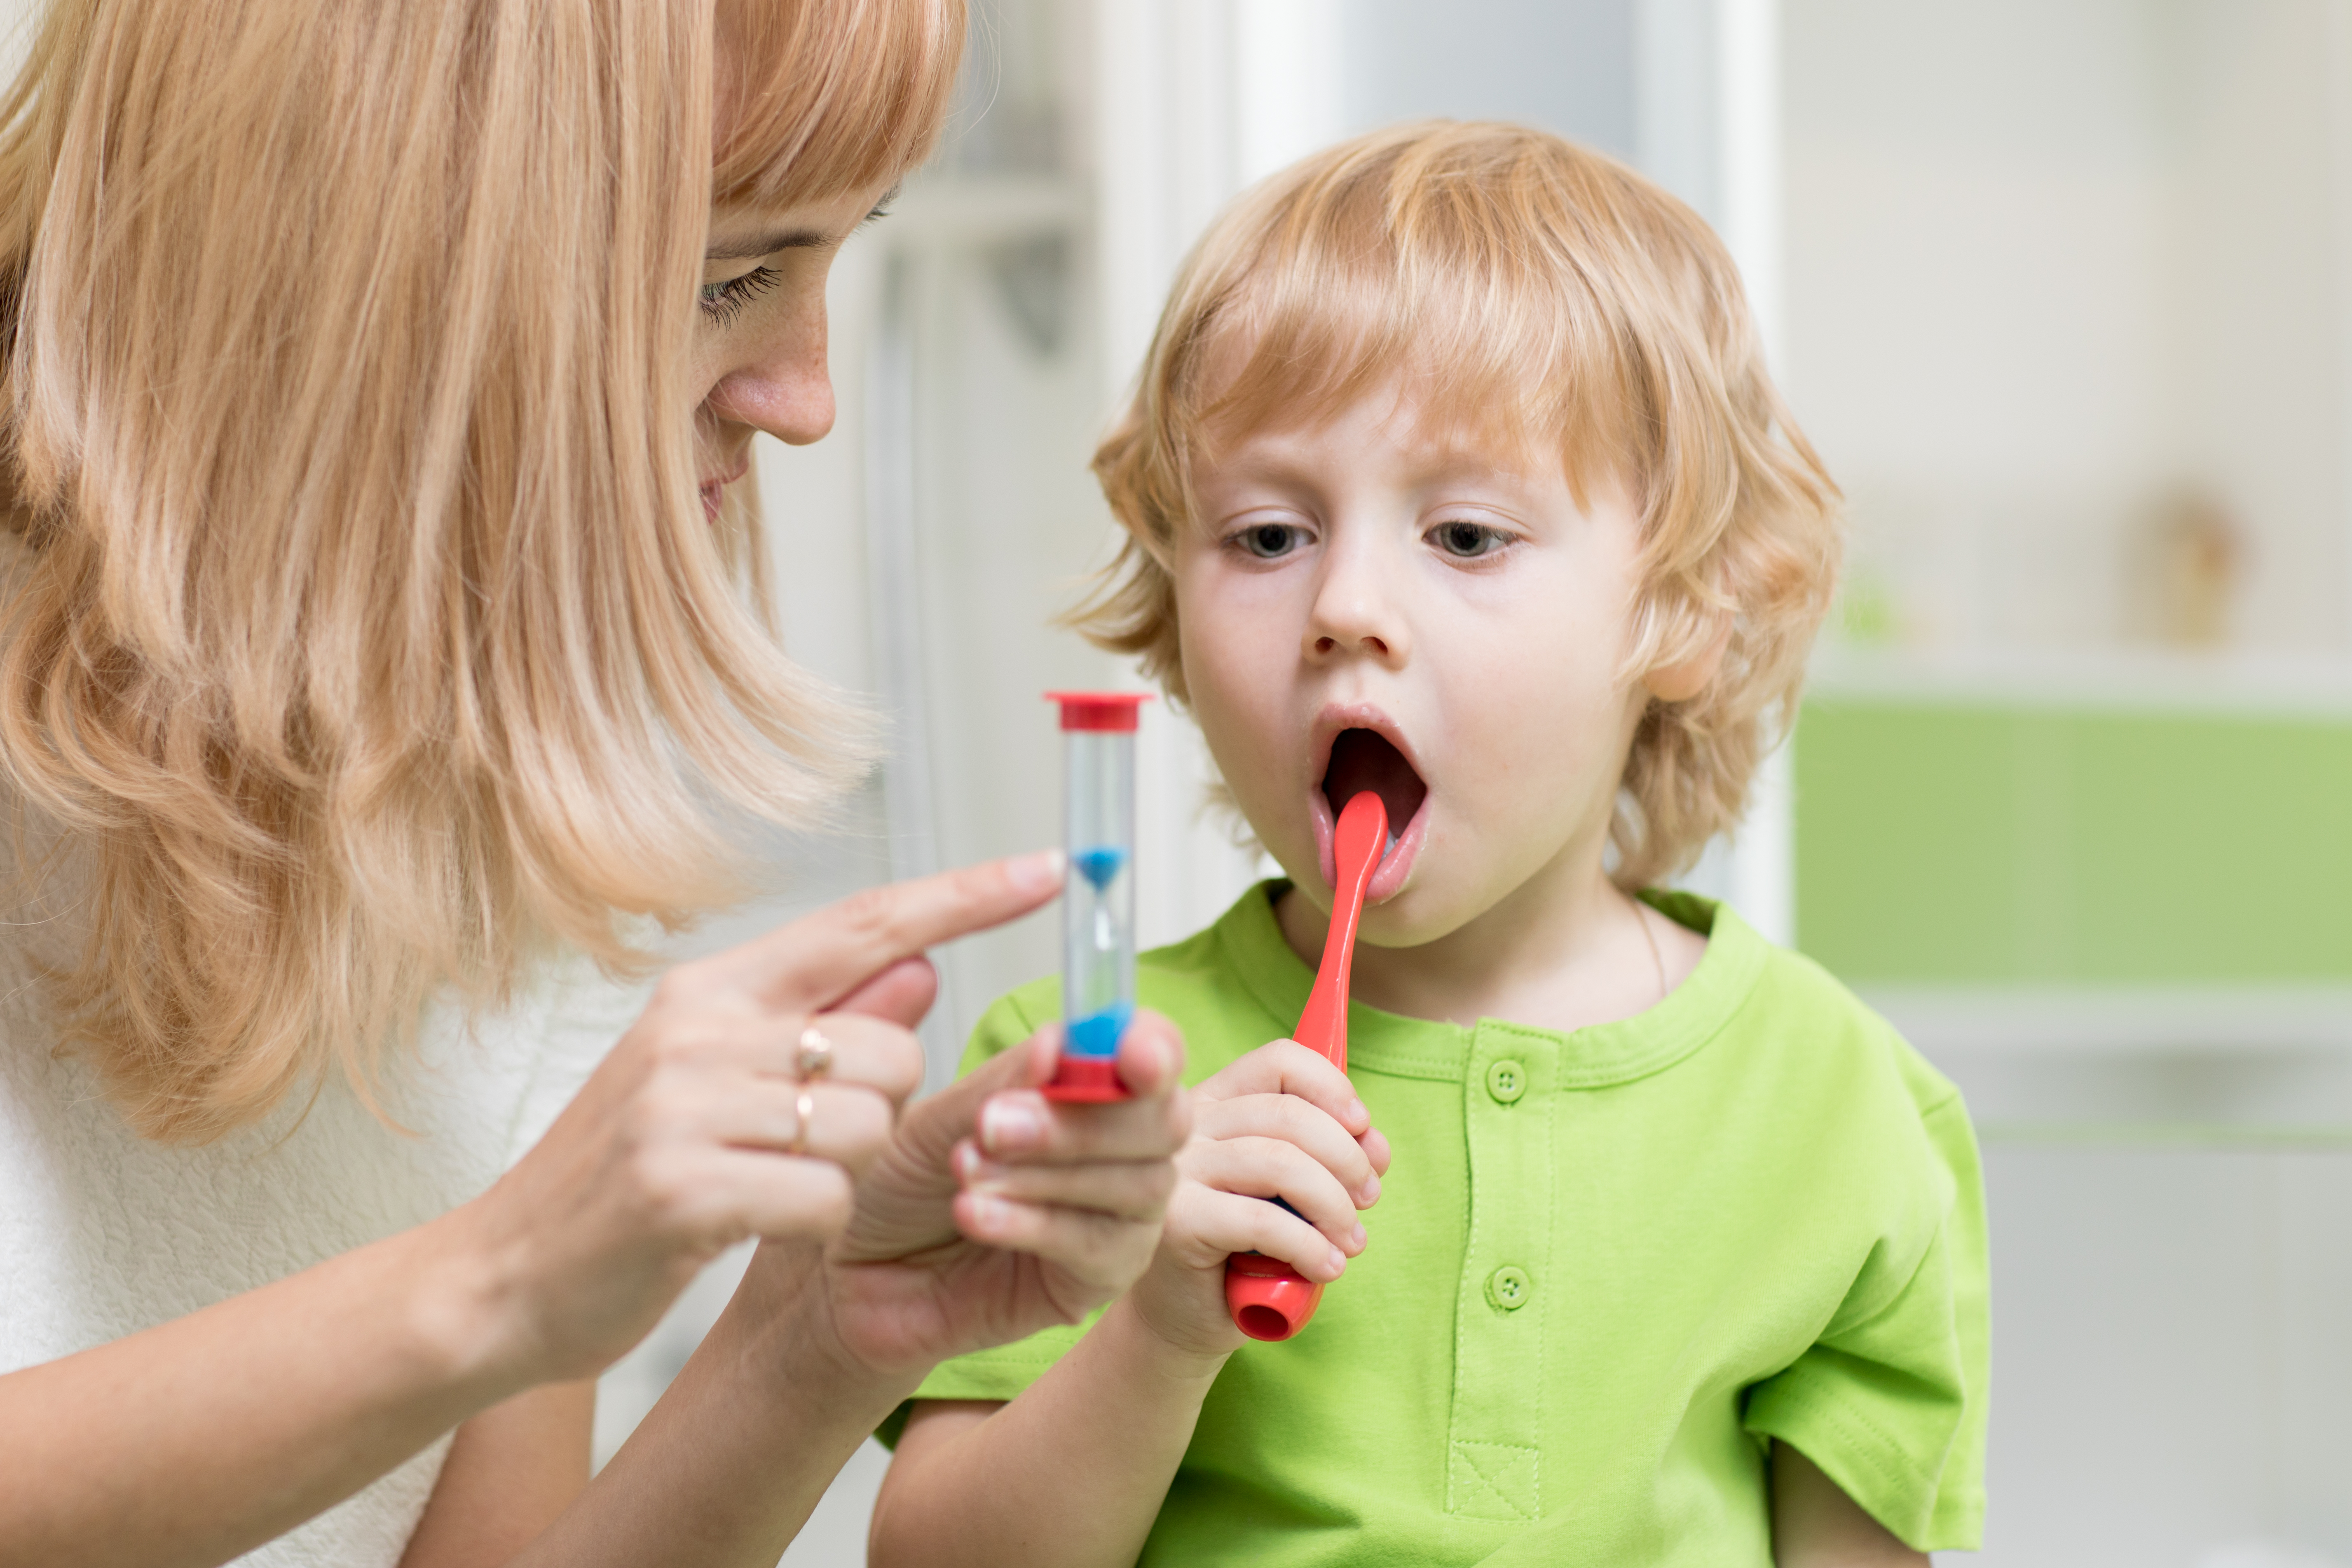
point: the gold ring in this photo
(815, 1055)
(804, 1112)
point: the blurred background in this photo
(2063, 290)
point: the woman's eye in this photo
(1270, 541)
(1469, 541)
(721, 301)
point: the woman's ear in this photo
(1681, 682)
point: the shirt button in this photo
(1509, 1289)
(1507, 1080)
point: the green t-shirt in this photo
(1606, 1268)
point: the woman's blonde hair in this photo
(372, 630)
(1539, 294)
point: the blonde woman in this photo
(376, 652)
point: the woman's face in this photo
(759, 349)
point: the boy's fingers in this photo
(1291, 1120)
(1231, 1223)
(1269, 1168)
(832, 953)
(1285, 1067)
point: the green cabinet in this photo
(1962, 842)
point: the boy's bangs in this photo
(824, 97)
(1370, 287)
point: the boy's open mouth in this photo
(1367, 760)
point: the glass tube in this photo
(1099, 901)
(1098, 891)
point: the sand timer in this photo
(1099, 897)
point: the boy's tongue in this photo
(1364, 760)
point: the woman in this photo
(374, 638)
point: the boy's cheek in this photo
(1264, 782)
(1239, 687)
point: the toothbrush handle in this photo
(1266, 1297)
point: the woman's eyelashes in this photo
(723, 300)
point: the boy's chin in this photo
(1414, 917)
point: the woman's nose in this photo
(783, 387)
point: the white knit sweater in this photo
(102, 1234)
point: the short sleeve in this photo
(1004, 1371)
(1890, 1401)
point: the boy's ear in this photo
(1682, 681)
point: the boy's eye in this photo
(1269, 541)
(721, 302)
(1469, 541)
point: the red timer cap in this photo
(1098, 710)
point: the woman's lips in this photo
(714, 492)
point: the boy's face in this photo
(1367, 605)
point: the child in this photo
(1454, 474)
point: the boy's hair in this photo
(1534, 292)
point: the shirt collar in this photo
(1693, 1014)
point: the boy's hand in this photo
(1280, 1122)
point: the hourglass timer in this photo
(1098, 896)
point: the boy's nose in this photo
(1354, 618)
(1371, 643)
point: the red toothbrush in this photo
(1268, 1297)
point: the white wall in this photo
(2170, 1356)
(2048, 258)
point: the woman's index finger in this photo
(822, 956)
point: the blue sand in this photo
(1097, 1034)
(1100, 864)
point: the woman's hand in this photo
(1280, 1122)
(996, 1212)
(835, 1324)
(690, 1138)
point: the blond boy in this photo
(1455, 474)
